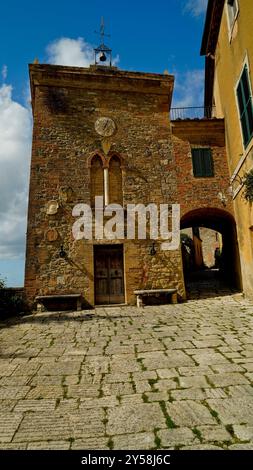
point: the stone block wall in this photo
(155, 164)
(67, 101)
(195, 193)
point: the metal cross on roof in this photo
(102, 31)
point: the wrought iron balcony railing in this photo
(199, 112)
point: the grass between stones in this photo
(212, 412)
(197, 433)
(158, 443)
(132, 382)
(152, 383)
(100, 392)
(119, 398)
(209, 381)
(230, 429)
(105, 421)
(110, 444)
(58, 400)
(236, 440)
(215, 415)
(65, 388)
(139, 359)
(169, 422)
(145, 398)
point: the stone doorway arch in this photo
(221, 221)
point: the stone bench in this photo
(143, 293)
(41, 299)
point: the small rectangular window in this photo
(202, 162)
(245, 106)
(232, 7)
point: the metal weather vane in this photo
(103, 51)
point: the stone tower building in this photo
(100, 131)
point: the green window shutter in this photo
(196, 161)
(207, 162)
(202, 162)
(245, 107)
(240, 98)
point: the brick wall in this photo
(195, 193)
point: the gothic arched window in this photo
(96, 178)
(115, 181)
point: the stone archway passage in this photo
(224, 223)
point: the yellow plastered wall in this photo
(234, 49)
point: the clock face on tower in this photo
(105, 126)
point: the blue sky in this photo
(148, 36)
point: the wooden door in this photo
(109, 274)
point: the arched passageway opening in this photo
(210, 252)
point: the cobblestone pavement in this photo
(171, 376)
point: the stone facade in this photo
(204, 246)
(148, 160)
(210, 242)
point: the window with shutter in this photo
(245, 105)
(202, 162)
(232, 7)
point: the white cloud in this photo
(4, 72)
(195, 7)
(15, 147)
(73, 52)
(66, 51)
(189, 89)
(15, 150)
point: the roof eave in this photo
(212, 26)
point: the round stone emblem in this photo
(105, 126)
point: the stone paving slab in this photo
(35, 405)
(42, 392)
(189, 413)
(12, 392)
(214, 433)
(224, 380)
(52, 445)
(176, 437)
(127, 419)
(198, 381)
(170, 376)
(95, 443)
(241, 447)
(233, 410)
(243, 432)
(172, 359)
(43, 426)
(9, 423)
(142, 440)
